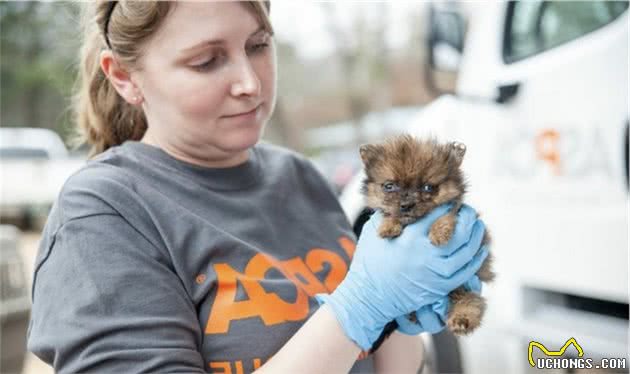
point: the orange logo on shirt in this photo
(227, 366)
(267, 305)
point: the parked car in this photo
(542, 105)
(30, 143)
(34, 164)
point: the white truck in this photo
(34, 164)
(541, 103)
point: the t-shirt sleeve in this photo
(105, 300)
(322, 189)
(316, 177)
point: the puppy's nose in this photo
(406, 207)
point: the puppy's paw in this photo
(390, 229)
(466, 313)
(442, 230)
(460, 325)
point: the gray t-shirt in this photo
(148, 263)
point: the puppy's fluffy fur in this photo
(405, 179)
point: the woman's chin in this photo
(242, 142)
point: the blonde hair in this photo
(104, 119)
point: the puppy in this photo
(405, 179)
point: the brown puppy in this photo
(405, 179)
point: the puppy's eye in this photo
(390, 187)
(427, 188)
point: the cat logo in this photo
(547, 352)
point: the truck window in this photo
(536, 26)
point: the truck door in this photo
(563, 86)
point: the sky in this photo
(303, 23)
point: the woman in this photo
(184, 245)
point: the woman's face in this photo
(208, 80)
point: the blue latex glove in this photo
(432, 318)
(389, 278)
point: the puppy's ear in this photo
(370, 153)
(458, 150)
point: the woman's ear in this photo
(120, 78)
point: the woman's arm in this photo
(400, 354)
(320, 346)
(330, 350)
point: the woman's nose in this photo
(245, 81)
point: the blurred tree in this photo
(37, 48)
(282, 130)
(364, 59)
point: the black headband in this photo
(110, 9)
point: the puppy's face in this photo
(407, 177)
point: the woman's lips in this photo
(251, 113)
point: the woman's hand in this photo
(389, 278)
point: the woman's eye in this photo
(205, 66)
(259, 47)
(390, 187)
(426, 188)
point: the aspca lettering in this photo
(560, 151)
(269, 306)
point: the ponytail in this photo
(104, 118)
